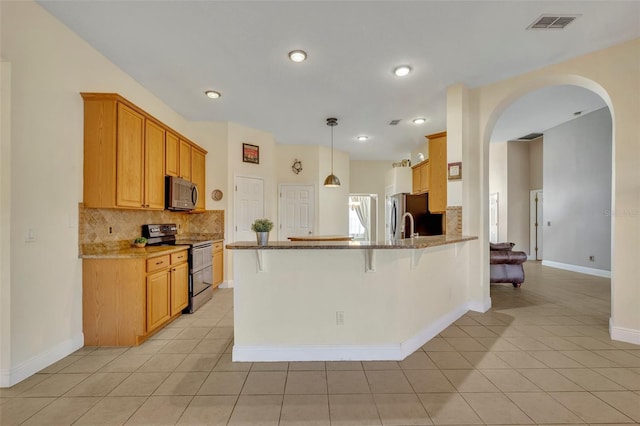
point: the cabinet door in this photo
(130, 158)
(185, 160)
(179, 288)
(172, 155)
(198, 176)
(438, 174)
(158, 309)
(154, 166)
(416, 180)
(218, 268)
(424, 177)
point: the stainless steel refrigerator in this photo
(425, 223)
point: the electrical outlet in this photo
(31, 236)
(548, 223)
(110, 230)
(592, 258)
(339, 317)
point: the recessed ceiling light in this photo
(212, 94)
(419, 120)
(402, 70)
(362, 138)
(297, 55)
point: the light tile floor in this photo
(541, 355)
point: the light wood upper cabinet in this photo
(421, 177)
(127, 153)
(430, 176)
(438, 172)
(198, 176)
(130, 158)
(172, 155)
(185, 160)
(415, 175)
(154, 166)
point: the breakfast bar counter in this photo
(346, 300)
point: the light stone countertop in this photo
(97, 251)
(407, 243)
(133, 252)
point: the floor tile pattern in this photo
(541, 355)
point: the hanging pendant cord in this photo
(331, 149)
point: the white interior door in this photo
(249, 206)
(493, 217)
(297, 211)
(535, 224)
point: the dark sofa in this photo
(505, 265)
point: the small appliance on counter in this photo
(200, 263)
(180, 194)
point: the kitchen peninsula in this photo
(345, 300)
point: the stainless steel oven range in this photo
(200, 264)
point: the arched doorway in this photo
(486, 124)
(574, 125)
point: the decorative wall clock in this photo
(297, 166)
(216, 194)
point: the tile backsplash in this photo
(114, 228)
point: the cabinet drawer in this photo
(179, 257)
(157, 263)
(217, 246)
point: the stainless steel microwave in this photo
(180, 194)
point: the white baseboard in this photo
(226, 284)
(622, 334)
(9, 377)
(575, 268)
(481, 306)
(410, 345)
(388, 352)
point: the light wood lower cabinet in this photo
(124, 301)
(218, 264)
(158, 306)
(179, 288)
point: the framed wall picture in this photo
(455, 170)
(250, 153)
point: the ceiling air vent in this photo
(530, 137)
(394, 122)
(552, 22)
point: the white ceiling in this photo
(179, 49)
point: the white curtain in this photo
(362, 207)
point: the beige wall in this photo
(535, 163)
(308, 155)
(498, 184)
(518, 187)
(214, 136)
(333, 217)
(50, 67)
(5, 218)
(368, 177)
(613, 74)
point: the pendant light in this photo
(332, 180)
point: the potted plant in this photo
(262, 227)
(140, 242)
